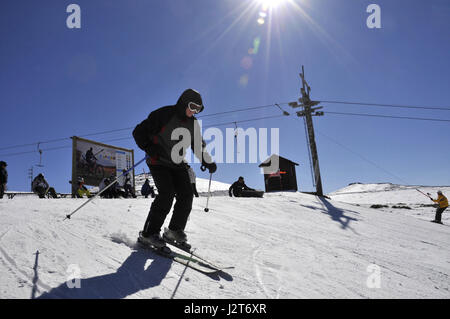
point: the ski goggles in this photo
(194, 107)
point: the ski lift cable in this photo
(390, 105)
(284, 112)
(228, 123)
(362, 157)
(239, 110)
(254, 108)
(127, 138)
(129, 128)
(219, 124)
(390, 116)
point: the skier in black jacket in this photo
(3, 178)
(40, 186)
(147, 189)
(167, 165)
(238, 188)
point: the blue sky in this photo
(131, 57)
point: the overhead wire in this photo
(129, 128)
(130, 137)
(390, 105)
(362, 157)
(249, 120)
(389, 116)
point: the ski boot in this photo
(154, 241)
(176, 238)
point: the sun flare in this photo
(268, 4)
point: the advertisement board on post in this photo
(92, 161)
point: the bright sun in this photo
(270, 3)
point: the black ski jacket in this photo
(237, 188)
(146, 188)
(154, 134)
(39, 182)
(3, 176)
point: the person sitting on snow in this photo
(82, 190)
(239, 188)
(125, 183)
(147, 189)
(111, 191)
(41, 187)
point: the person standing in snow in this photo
(158, 137)
(443, 204)
(3, 178)
(192, 178)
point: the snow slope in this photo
(394, 195)
(285, 245)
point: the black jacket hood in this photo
(189, 95)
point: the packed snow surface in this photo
(285, 245)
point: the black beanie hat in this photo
(190, 95)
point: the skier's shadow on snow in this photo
(220, 275)
(337, 214)
(130, 278)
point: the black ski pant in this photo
(42, 191)
(2, 190)
(439, 212)
(171, 183)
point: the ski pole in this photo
(104, 189)
(209, 193)
(423, 193)
(46, 191)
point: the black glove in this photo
(212, 167)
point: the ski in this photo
(194, 254)
(189, 261)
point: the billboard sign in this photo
(94, 161)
